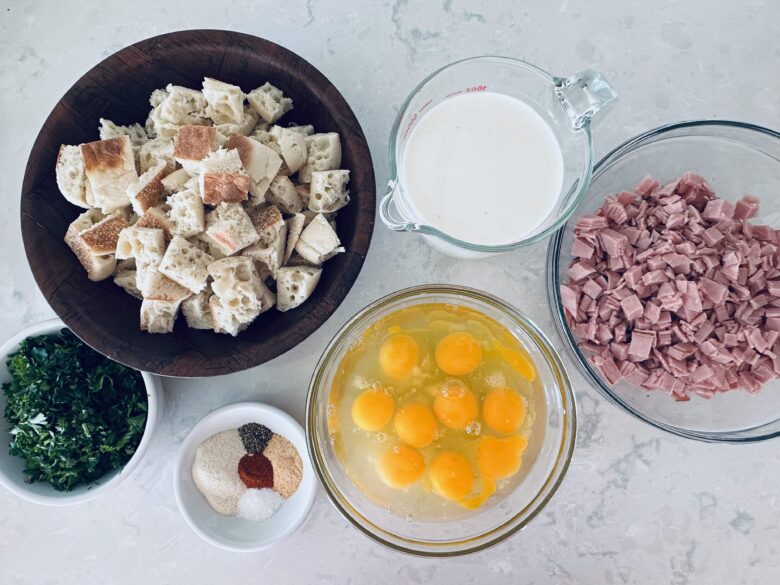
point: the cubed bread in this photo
(197, 312)
(245, 128)
(101, 238)
(187, 214)
(158, 316)
(143, 244)
(225, 102)
(295, 226)
(222, 178)
(293, 147)
(230, 228)
(183, 106)
(324, 154)
(157, 127)
(318, 241)
(260, 162)
(135, 132)
(295, 284)
(109, 166)
(156, 218)
(70, 175)
(125, 278)
(225, 319)
(304, 130)
(193, 185)
(283, 194)
(267, 139)
(186, 264)
(154, 285)
(192, 145)
(208, 245)
(97, 267)
(304, 191)
(238, 287)
(157, 97)
(156, 150)
(269, 102)
(146, 191)
(272, 232)
(175, 181)
(328, 192)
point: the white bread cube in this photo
(206, 244)
(272, 232)
(230, 228)
(101, 238)
(222, 178)
(158, 316)
(305, 130)
(147, 190)
(97, 267)
(225, 102)
(143, 244)
(192, 145)
(248, 123)
(186, 264)
(225, 319)
(175, 181)
(318, 241)
(183, 106)
(295, 226)
(324, 154)
(304, 191)
(157, 97)
(125, 278)
(260, 162)
(237, 285)
(328, 192)
(269, 102)
(187, 214)
(193, 185)
(154, 285)
(156, 150)
(109, 166)
(157, 127)
(283, 194)
(135, 132)
(197, 312)
(156, 218)
(293, 147)
(294, 285)
(70, 175)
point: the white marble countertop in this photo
(637, 506)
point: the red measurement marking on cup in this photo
(454, 93)
(474, 88)
(426, 105)
(409, 125)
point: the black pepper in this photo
(255, 437)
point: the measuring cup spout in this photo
(389, 213)
(584, 95)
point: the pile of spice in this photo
(247, 472)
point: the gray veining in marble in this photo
(637, 506)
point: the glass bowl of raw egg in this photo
(440, 420)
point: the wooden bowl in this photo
(118, 88)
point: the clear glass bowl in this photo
(735, 159)
(545, 461)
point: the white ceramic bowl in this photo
(232, 533)
(12, 468)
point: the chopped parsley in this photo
(74, 414)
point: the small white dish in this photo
(233, 533)
(40, 492)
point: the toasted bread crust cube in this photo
(148, 189)
(101, 238)
(192, 145)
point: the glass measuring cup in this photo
(565, 104)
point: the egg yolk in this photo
(500, 458)
(400, 467)
(415, 425)
(504, 410)
(451, 475)
(488, 489)
(458, 354)
(398, 355)
(455, 405)
(372, 409)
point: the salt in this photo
(259, 505)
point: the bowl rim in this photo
(548, 490)
(305, 326)
(154, 405)
(188, 446)
(556, 306)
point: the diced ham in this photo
(746, 208)
(641, 344)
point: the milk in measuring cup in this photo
(483, 167)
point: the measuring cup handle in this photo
(584, 95)
(389, 213)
